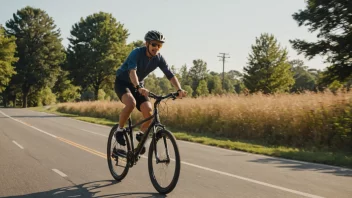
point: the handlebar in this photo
(170, 95)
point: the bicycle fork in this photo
(167, 160)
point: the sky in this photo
(194, 29)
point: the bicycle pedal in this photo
(139, 136)
(142, 151)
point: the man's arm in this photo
(134, 77)
(166, 70)
(135, 82)
(174, 81)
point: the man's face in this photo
(154, 47)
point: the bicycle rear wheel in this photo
(118, 163)
(165, 173)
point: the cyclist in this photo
(130, 78)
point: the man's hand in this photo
(181, 93)
(143, 91)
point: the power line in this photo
(223, 58)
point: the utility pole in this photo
(223, 57)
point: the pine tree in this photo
(268, 69)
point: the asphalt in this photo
(45, 155)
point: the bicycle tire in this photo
(164, 190)
(116, 176)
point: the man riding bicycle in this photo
(130, 77)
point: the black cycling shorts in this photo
(122, 87)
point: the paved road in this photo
(44, 155)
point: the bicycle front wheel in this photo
(164, 162)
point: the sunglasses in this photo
(156, 44)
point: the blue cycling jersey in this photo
(139, 61)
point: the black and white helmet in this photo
(154, 35)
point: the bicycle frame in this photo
(153, 124)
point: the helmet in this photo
(154, 35)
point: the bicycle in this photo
(162, 154)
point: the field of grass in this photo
(322, 121)
(310, 127)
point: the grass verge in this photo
(323, 157)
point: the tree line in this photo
(36, 69)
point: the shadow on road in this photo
(302, 166)
(91, 189)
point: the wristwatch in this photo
(138, 86)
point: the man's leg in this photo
(147, 111)
(130, 104)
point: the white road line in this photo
(207, 169)
(54, 136)
(247, 179)
(254, 181)
(92, 132)
(99, 125)
(17, 144)
(89, 123)
(265, 156)
(76, 127)
(59, 172)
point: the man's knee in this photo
(129, 101)
(146, 109)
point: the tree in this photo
(235, 75)
(45, 97)
(332, 19)
(39, 49)
(229, 85)
(240, 87)
(152, 84)
(334, 86)
(185, 78)
(214, 84)
(138, 43)
(188, 89)
(174, 71)
(197, 72)
(267, 69)
(101, 94)
(165, 85)
(111, 95)
(233, 81)
(7, 58)
(202, 89)
(12, 91)
(97, 48)
(304, 80)
(64, 90)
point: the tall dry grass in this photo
(314, 120)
